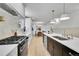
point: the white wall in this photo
(8, 25)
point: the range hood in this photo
(8, 9)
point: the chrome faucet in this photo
(70, 36)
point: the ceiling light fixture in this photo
(64, 16)
(52, 21)
(57, 20)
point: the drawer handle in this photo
(71, 54)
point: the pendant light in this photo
(55, 20)
(52, 21)
(64, 16)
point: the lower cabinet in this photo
(50, 46)
(54, 48)
(57, 49)
(65, 51)
(69, 52)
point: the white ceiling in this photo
(43, 11)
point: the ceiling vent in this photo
(8, 9)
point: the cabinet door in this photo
(57, 49)
(50, 45)
(65, 51)
(68, 52)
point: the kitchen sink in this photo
(60, 38)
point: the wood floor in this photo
(36, 47)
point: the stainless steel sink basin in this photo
(60, 38)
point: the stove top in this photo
(12, 40)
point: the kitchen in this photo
(56, 23)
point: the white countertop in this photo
(5, 49)
(71, 43)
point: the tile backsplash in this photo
(68, 31)
(72, 31)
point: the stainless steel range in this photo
(20, 40)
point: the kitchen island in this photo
(58, 47)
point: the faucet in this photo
(64, 33)
(69, 36)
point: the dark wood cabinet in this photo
(50, 46)
(57, 49)
(54, 48)
(65, 51)
(69, 52)
(40, 34)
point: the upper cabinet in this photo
(18, 7)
